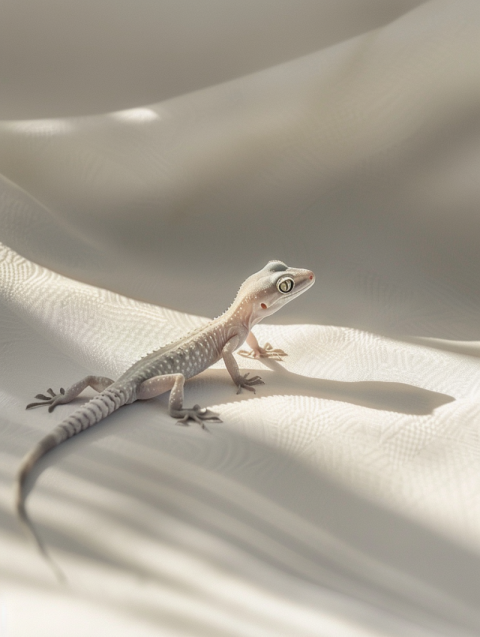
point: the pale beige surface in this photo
(344, 498)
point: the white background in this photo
(164, 152)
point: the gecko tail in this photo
(98, 408)
(25, 468)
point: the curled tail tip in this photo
(19, 502)
(30, 530)
(19, 496)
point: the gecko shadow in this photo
(380, 395)
(190, 477)
(210, 386)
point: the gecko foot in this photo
(197, 414)
(264, 352)
(52, 400)
(247, 383)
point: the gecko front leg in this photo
(261, 352)
(232, 367)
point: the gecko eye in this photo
(285, 285)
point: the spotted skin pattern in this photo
(167, 369)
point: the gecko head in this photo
(275, 285)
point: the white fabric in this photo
(343, 499)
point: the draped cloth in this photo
(341, 499)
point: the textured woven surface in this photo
(343, 499)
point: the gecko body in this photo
(167, 369)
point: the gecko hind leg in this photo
(174, 383)
(197, 414)
(99, 383)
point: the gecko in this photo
(167, 369)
